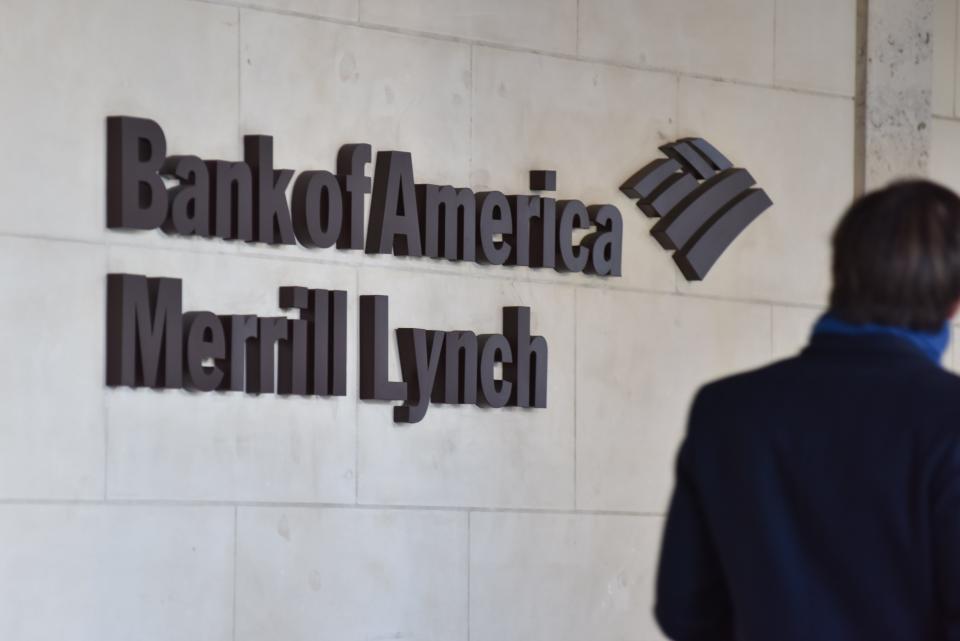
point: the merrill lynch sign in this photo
(152, 342)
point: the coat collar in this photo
(875, 344)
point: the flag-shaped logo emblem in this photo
(702, 201)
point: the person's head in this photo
(896, 257)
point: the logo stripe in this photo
(671, 194)
(676, 228)
(693, 161)
(643, 183)
(702, 251)
(710, 152)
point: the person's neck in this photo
(933, 344)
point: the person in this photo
(818, 498)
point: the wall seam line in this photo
(773, 58)
(236, 537)
(576, 376)
(676, 132)
(576, 47)
(956, 34)
(356, 398)
(501, 277)
(772, 324)
(106, 446)
(236, 505)
(239, 75)
(517, 49)
(473, 104)
(860, 98)
(103, 400)
(469, 563)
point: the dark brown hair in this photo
(896, 257)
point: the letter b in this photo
(136, 195)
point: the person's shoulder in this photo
(936, 397)
(937, 386)
(923, 378)
(944, 377)
(723, 387)
(725, 396)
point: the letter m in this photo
(144, 331)
(450, 222)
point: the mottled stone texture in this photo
(895, 74)
(140, 514)
(945, 132)
(944, 59)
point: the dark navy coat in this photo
(818, 499)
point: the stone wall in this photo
(945, 130)
(136, 514)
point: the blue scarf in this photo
(932, 344)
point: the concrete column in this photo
(894, 82)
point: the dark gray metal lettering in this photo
(449, 220)
(260, 359)
(204, 340)
(494, 218)
(144, 331)
(293, 353)
(543, 231)
(375, 383)
(239, 330)
(189, 202)
(526, 210)
(136, 195)
(394, 226)
(337, 321)
(456, 380)
(543, 228)
(231, 203)
(494, 348)
(573, 215)
(270, 209)
(527, 371)
(317, 209)
(543, 180)
(420, 352)
(606, 243)
(352, 161)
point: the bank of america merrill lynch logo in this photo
(702, 201)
